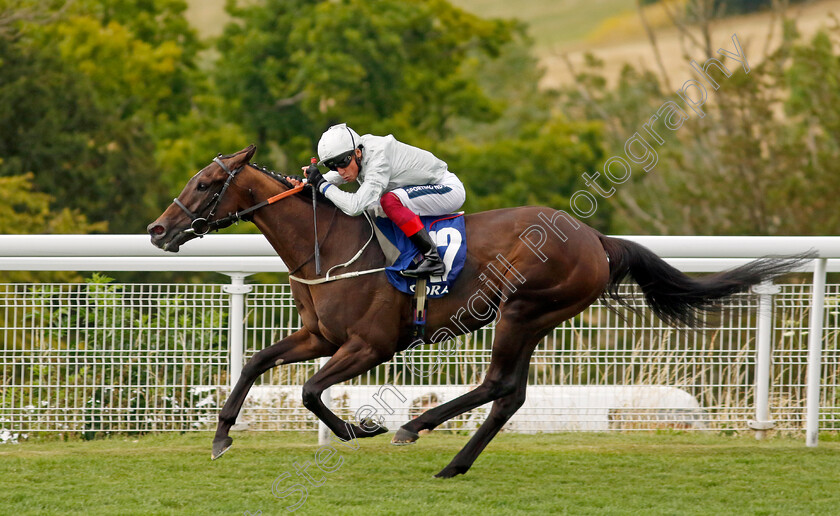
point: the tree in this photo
(24, 211)
(531, 154)
(383, 65)
(423, 70)
(83, 94)
(105, 105)
(762, 161)
(541, 166)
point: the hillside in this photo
(609, 28)
(633, 46)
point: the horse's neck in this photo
(289, 226)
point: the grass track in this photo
(518, 474)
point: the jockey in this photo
(396, 179)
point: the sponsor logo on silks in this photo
(432, 290)
(417, 191)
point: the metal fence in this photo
(99, 357)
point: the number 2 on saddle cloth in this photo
(448, 232)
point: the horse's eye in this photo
(202, 186)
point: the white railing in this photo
(585, 351)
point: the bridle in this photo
(200, 226)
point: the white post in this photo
(763, 351)
(236, 323)
(326, 397)
(815, 334)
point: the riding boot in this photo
(431, 263)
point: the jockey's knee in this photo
(390, 201)
(462, 197)
(404, 218)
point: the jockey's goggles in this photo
(340, 161)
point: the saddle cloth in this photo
(448, 231)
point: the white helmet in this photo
(337, 140)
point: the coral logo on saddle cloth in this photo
(449, 234)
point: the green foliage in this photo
(80, 95)
(155, 22)
(425, 71)
(77, 319)
(24, 211)
(763, 161)
(106, 107)
(104, 103)
(539, 167)
(383, 66)
(129, 76)
(723, 8)
(531, 154)
(188, 143)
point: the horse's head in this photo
(205, 199)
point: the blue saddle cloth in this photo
(448, 231)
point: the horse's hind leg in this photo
(503, 409)
(512, 347)
(297, 347)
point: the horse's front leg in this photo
(297, 347)
(353, 358)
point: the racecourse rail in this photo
(773, 328)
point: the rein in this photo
(311, 256)
(235, 217)
(346, 275)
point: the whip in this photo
(313, 165)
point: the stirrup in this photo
(428, 266)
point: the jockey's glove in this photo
(315, 178)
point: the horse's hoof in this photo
(220, 446)
(451, 471)
(403, 437)
(370, 423)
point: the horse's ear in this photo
(249, 152)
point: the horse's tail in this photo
(676, 298)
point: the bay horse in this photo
(534, 268)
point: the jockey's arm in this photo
(355, 203)
(376, 179)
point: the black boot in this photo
(431, 264)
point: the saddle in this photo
(448, 232)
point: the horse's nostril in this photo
(157, 230)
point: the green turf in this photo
(582, 473)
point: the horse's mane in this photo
(284, 180)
